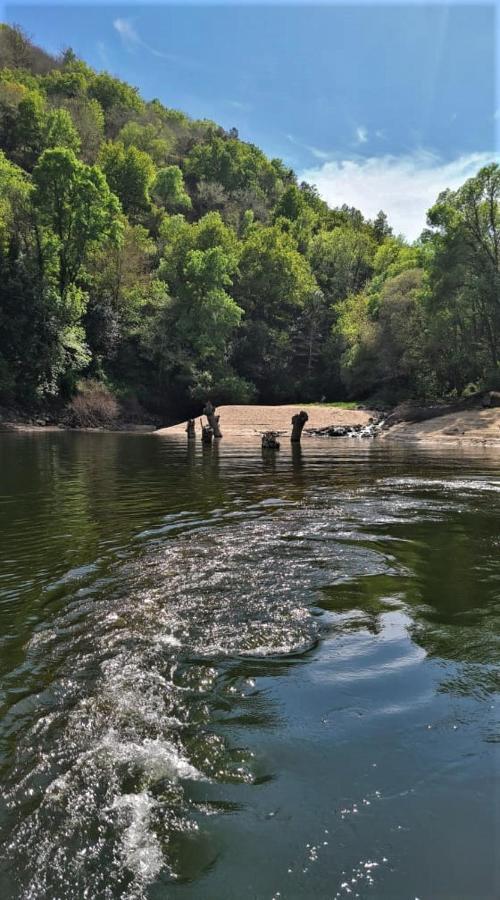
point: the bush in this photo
(470, 389)
(93, 406)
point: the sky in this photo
(380, 106)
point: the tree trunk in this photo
(298, 422)
(213, 420)
(207, 434)
(270, 440)
(190, 429)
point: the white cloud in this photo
(127, 32)
(361, 135)
(404, 187)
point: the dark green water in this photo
(224, 675)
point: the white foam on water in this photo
(156, 757)
(140, 848)
(448, 484)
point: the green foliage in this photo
(60, 131)
(130, 174)
(169, 190)
(76, 207)
(152, 139)
(29, 130)
(342, 261)
(109, 92)
(234, 165)
(464, 273)
(160, 254)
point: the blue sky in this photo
(379, 105)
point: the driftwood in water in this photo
(270, 440)
(298, 422)
(190, 429)
(213, 420)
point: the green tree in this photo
(465, 265)
(169, 190)
(75, 204)
(273, 285)
(30, 130)
(130, 174)
(60, 131)
(342, 261)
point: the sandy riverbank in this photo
(244, 421)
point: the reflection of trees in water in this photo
(451, 593)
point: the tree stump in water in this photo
(213, 420)
(270, 440)
(298, 422)
(190, 429)
(206, 434)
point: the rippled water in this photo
(232, 675)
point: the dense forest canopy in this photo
(170, 261)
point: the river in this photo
(228, 675)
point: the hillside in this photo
(166, 260)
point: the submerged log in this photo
(298, 422)
(190, 429)
(270, 440)
(213, 420)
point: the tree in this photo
(153, 138)
(342, 261)
(74, 202)
(381, 227)
(60, 131)
(465, 264)
(30, 130)
(130, 174)
(169, 190)
(112, 92)
(88, 119)
(273, 285)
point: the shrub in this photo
(93, 406)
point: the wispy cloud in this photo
(314, 151)
(404, 187)
(361, 135)
(240, 105)
(132, 41)
(103, 54)
(127, 32)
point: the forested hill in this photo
(166, 259)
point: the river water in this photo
(227, 675)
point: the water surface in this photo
(226, 675)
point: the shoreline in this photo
(29, 428)
(472, 427)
